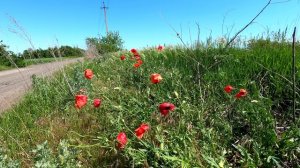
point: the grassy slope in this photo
(208, 127)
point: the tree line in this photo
(112, 42)
(9, 58)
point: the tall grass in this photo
(209, 128)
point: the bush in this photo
(110, 43)
(3, 54)
(8, 58)
(63, 51)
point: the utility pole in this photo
(104, 9)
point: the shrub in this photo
(8, 58)
(63, 51)
(112, 42)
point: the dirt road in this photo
(14, 83)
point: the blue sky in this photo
(141, 23)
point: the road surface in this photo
(14, 83)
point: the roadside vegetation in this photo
(165, 106)
(9, 59)
(34, 61)
(3, 67)
(112, 42)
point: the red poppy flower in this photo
(134, 51)
(137, 57)
(80, 101)
(155, 78)
(166, 107)
(242, 93)
(123, 57)
(138, 63)
(228, 88)
(139, 132)
(97, 102)
(160, 48)
(88, 73)
(122, 140)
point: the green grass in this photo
(28, 62)
(3, 67)
(209, 128)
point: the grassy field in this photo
(208, 128)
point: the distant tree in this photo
(26, 54)
(3, 55)
(68, 51)
(112, 42)
(8, 58)
(63, 51)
